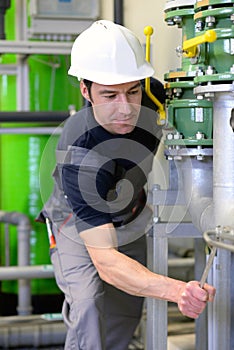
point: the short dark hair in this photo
(88, 84)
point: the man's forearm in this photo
(132, 277)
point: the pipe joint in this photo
(15, 218)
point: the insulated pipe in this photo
(221, 335)
(24, 229)
(210, 210)
(220, 211)
(223, 143)
(197, 183)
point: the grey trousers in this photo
(97, 315)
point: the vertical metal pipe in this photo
(24, 228)
(22, 66)
(223, 198)
(118, 12)
(7, 245)
(4, 5)
(223, 142)
(201, 323)
(157, 262)
(2, 29)
(24, 295)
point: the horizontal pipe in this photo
(29, 47)
(225, 240)
(39, 318)
(15, 218)
(34, 333)
(33, 117)
(30, 131)
(181, 262)
(9, 273)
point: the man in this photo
(97, 214)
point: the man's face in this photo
(116, 107)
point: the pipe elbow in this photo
(15, 218)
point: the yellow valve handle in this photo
(190, 45)
(148, 31)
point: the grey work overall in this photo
(97, 315)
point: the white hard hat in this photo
(107, 53)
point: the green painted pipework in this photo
(213, 64)
(189, 117)
(7, 102)
(183, 17)
(20, 191)
(201, 4)
(20, 155)
(218, 54)
(179, 84)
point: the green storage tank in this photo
(50, 89)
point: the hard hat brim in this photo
(104, 78)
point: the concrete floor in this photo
(181, 342)
(181, 331)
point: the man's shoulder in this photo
(78, 118)
(74, 128)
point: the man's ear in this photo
(84, 90)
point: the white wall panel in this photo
(137, 15)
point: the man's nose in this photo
(124, 105)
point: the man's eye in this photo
(133, 92)
(110, 96)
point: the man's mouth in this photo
(129, 121)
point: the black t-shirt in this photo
(108, 172)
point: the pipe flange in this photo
(212, 89)
(178, 4)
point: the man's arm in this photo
(130, 276)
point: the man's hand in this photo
(193, 299)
